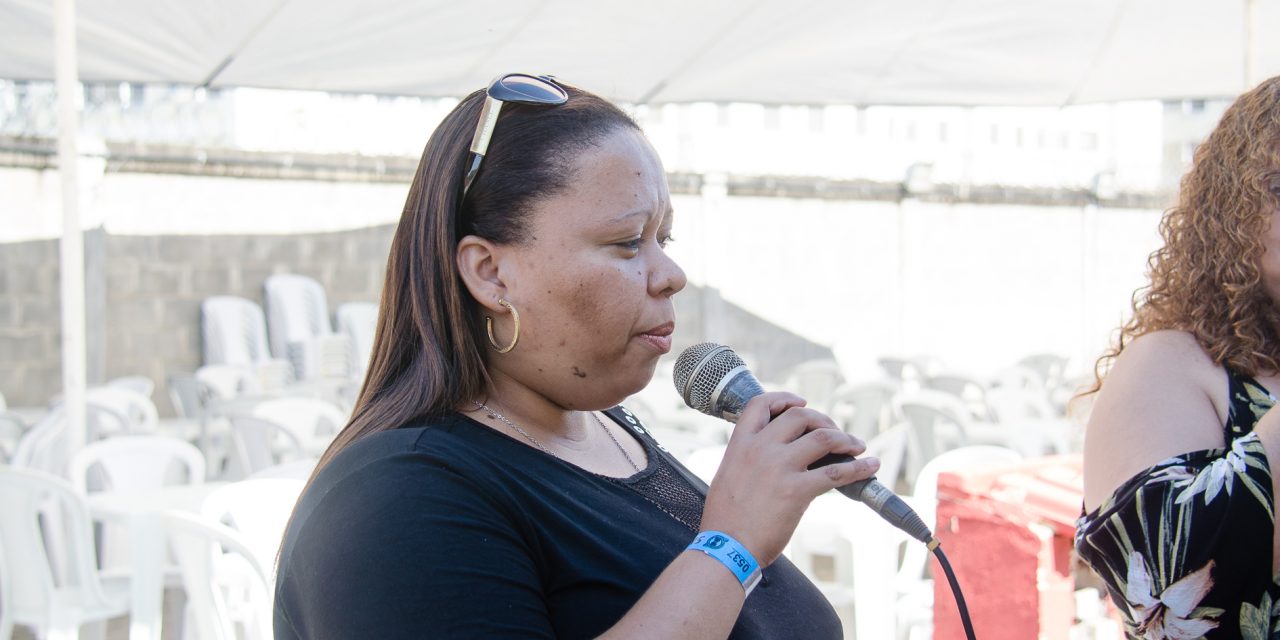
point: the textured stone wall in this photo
(144, 310)
(30, 348)
(146, 318)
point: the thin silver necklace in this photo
(497, 415)
(494, 413)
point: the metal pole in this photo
(72, 248)
(1250, 53)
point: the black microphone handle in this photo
(739, 386)
(881, 500)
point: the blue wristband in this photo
(731, 554)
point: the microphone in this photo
(714, 380)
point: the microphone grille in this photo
(698, 371)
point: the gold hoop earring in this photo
(488, 326)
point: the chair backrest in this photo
(258, 444)
(852, 556)
(313, 420)
(816, 381)
(865, 409)
(259, 509)
(234, 330)
(924, 496)
(44, 446)
(138, 384)
(114, 410)
(1051, 367)
(190, 395)
(132, 463)
(225, 381)
(969, 389)
(40, 577)
(359, 322)
(278, 430)
(297, 310)
(890, 446)
(226, 585)
(938, 422)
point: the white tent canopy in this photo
(919, 52)
(1003, 52)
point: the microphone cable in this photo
(714, 380)
(936, 547)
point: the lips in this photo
(659, 337)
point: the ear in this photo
(477, 260)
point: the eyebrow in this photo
(640, 212)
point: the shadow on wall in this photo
(143, 296)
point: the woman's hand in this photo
(764, 484)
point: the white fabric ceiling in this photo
(1045, 52)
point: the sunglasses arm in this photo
(480, 141)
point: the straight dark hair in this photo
(429, 351)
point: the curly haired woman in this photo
(1179, 496)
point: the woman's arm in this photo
(1163, 397)
(758, 495)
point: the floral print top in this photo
(1185, 546)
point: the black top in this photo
(452, 530)
(1185, 546)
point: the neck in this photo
(542, 417)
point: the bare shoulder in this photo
(1164, 396)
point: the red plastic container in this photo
(1008, 534)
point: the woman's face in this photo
(592, 282)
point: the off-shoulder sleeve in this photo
(1182, 545)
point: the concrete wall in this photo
(147, 320)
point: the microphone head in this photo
(700, 370)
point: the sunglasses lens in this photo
(528, 90)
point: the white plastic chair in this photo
(131, 463)
(915, 592)
(117, 409)
(297, 315)
(44, 446)
(359, 322)
(941, 422)
(114, 410)
(6, 600)
(1050, 367)
(226, 585)
(890, 447)
(865, 409)
(816, 381)
(123, 464)
(851, 555)
(259, 509)
(138, 384)
(969, 389)
(234, 330)
(53, 579)
(279, 430)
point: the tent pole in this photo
(71, 271)
(1250, 58)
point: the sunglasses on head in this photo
(520, 88)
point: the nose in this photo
(666, 278)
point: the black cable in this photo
(936, 547)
